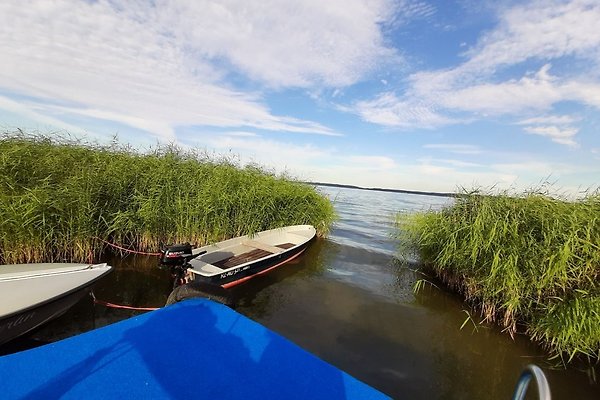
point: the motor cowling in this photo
(177, 254)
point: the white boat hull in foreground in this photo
(32, 294)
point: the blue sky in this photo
(419, 95)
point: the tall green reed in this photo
(59, 198)
(529, 263)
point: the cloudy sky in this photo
(419, 95)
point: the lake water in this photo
(349, 302)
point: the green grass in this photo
(529, 263)
(58, 195)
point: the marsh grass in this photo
(58, 197)
(529, 263)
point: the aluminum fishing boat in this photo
(236, 260)
(33, 294)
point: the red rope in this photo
(124, 307)
(129, 250)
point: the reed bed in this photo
(530, 263)
(60, 198)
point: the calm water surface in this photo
(348, 301)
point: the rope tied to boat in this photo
(120, 306)
(126, 249)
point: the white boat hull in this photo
(236, 260)
(33, 294)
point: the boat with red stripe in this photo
(234, 261)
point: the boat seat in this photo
(262, 246)
(244, 258)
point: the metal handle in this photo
(540, 379)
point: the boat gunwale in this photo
(222, 271)
(83, 286)
(40, 274)
(304, 239)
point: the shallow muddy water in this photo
(347, 301)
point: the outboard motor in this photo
(177, 255)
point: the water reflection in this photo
(350, 302)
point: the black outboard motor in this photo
(177, 255)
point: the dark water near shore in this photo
(347, 301)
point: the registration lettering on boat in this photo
(234, 271)
(22, 319)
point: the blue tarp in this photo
(195, 349)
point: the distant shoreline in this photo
(438, 194)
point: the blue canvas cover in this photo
(196, 349)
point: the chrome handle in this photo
(540, 379)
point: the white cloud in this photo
(283, 155)
(558, 135)
(512, 97)
(407, 11)
(388, 110)
(158, 66)
(514, 176)
(526, 37)
(309, 162)
(542, 30)
(28, 111)
(455, 148)
(540, 169)
(453, 177)
(584, 91)
(549, 119)
(268, 152)
(373, 162)
(299, 43)
(557, 127)
(450, 162)
(328, 164)
(241, 134)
